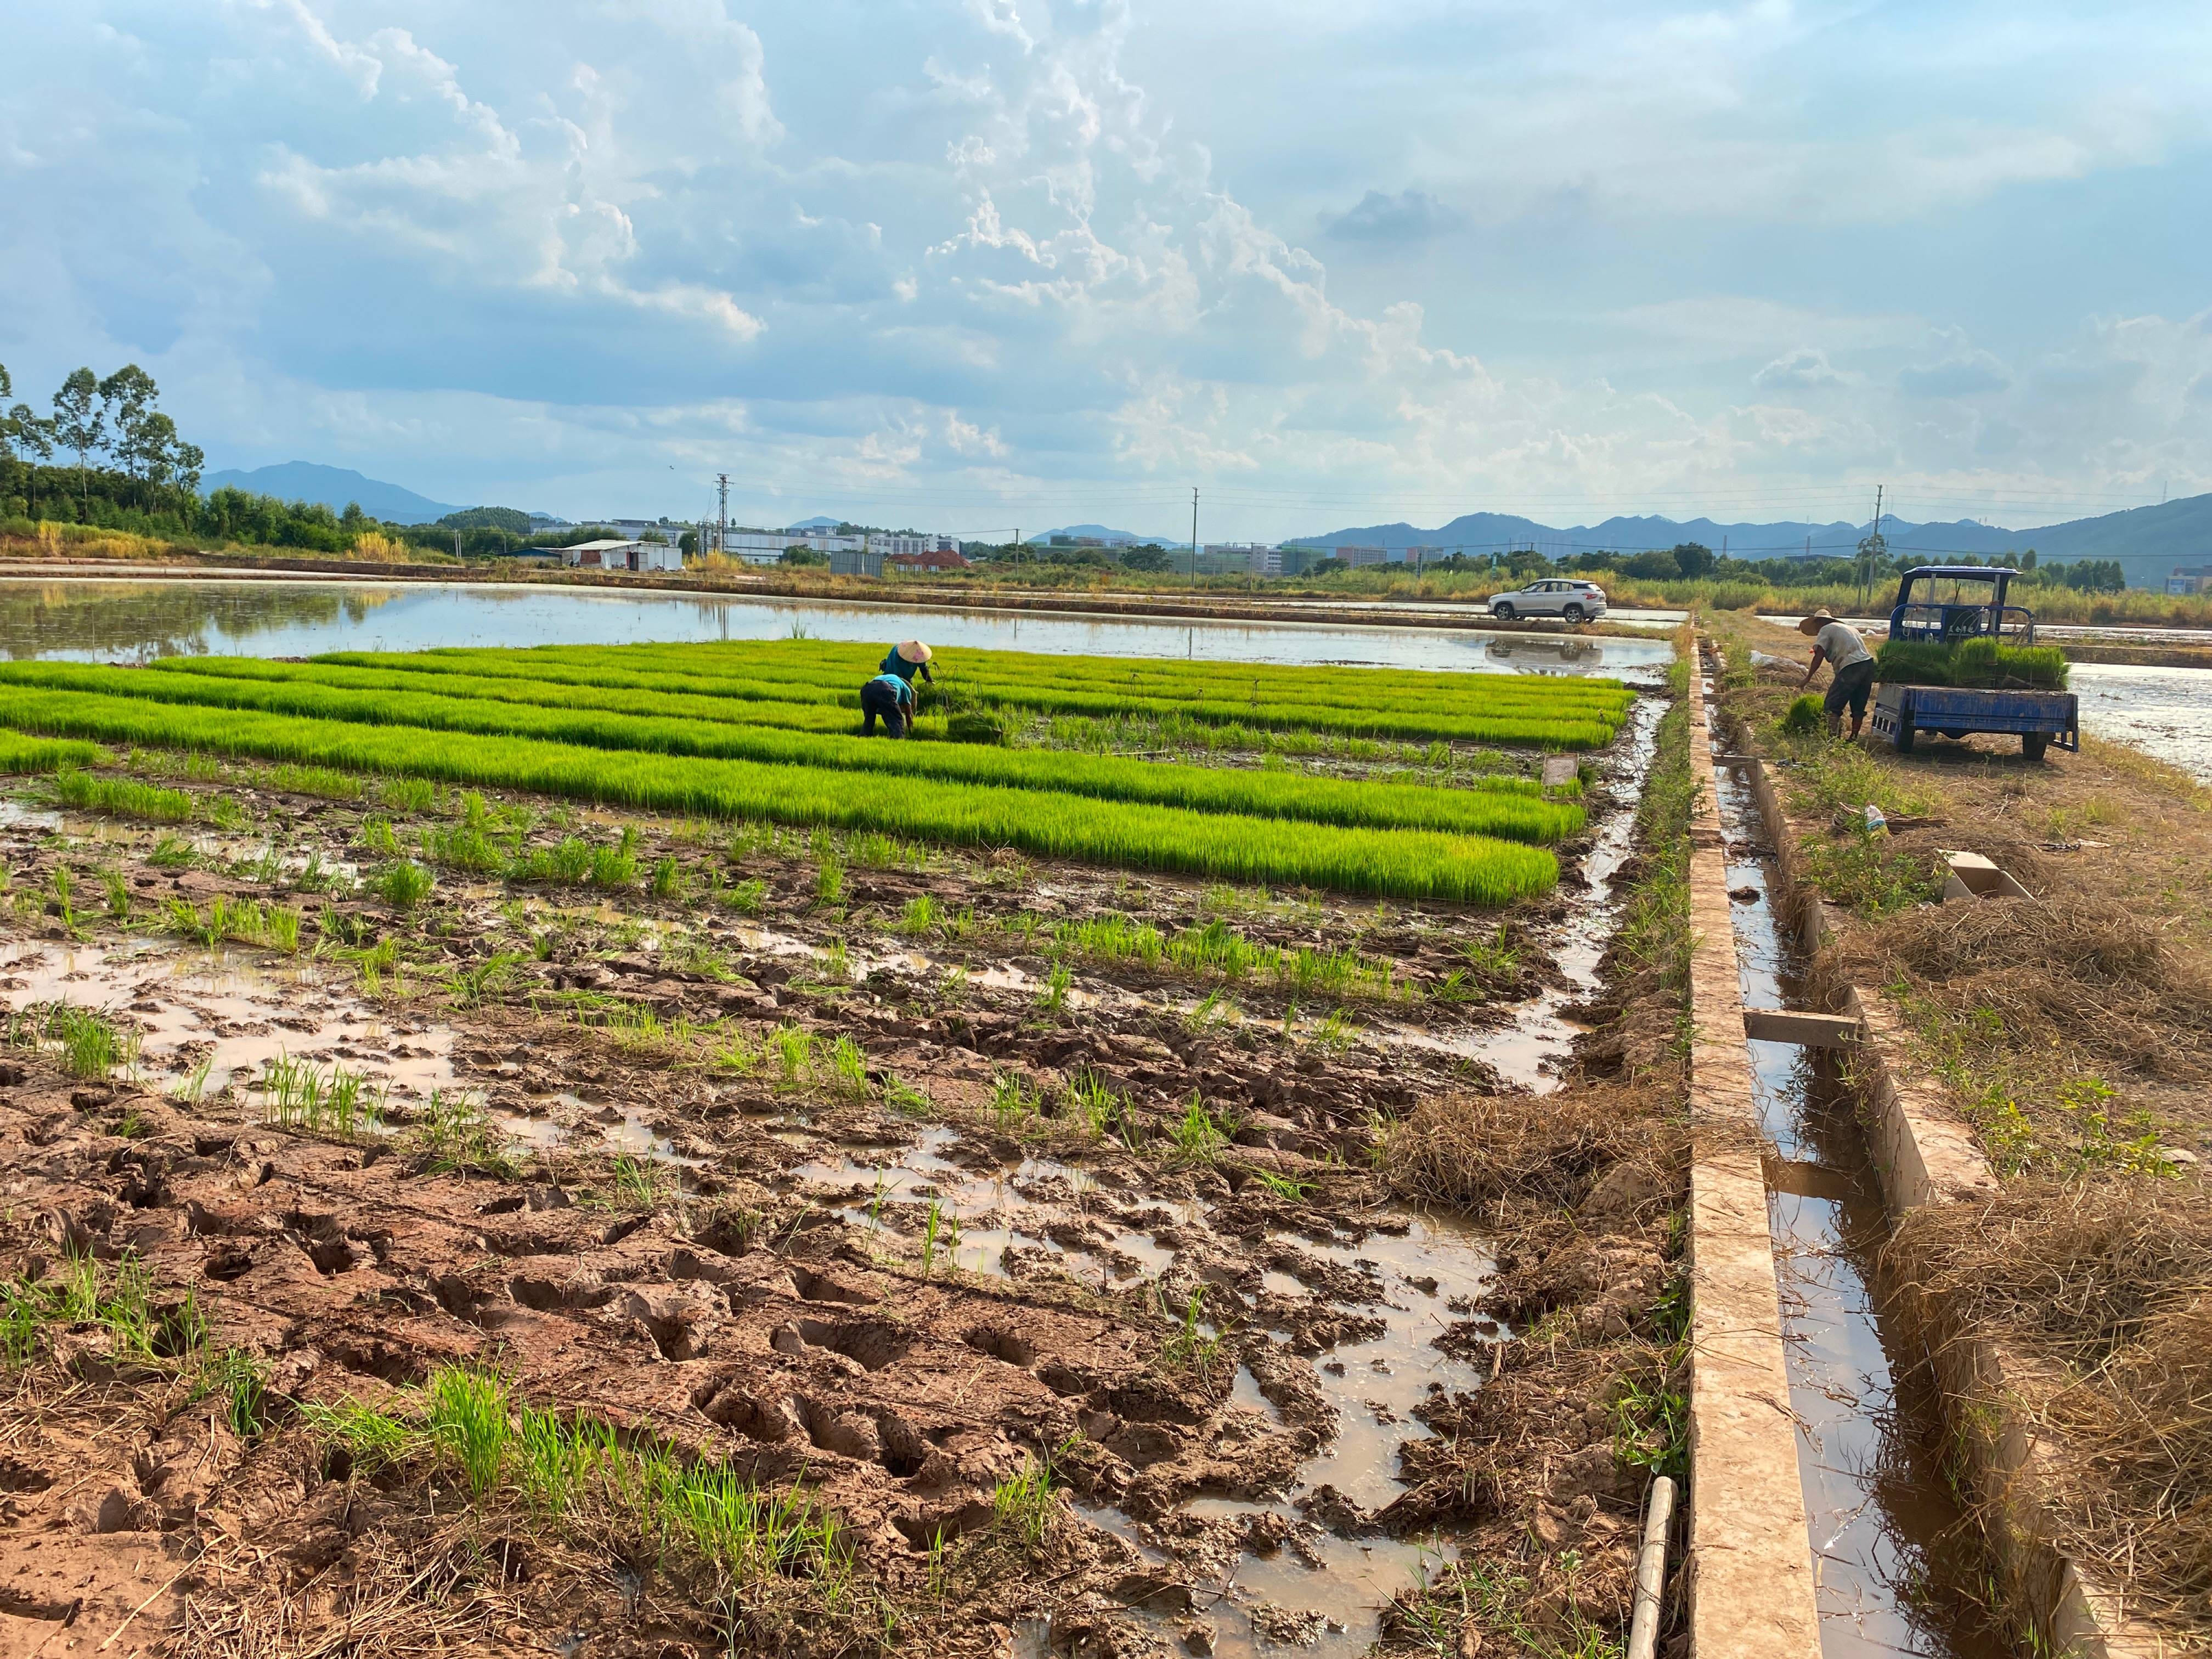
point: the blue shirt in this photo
(899, 687)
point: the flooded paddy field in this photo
(1061, 1241)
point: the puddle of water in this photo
(1890, 1547)
(1382, 1381)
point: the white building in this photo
(1255, 558)
(619, 554)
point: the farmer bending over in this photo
(892, 697)
(1838, 644)
(906, 660)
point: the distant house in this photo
(935, 559)
(1351, 555)
(2198, 581)
(616, 554)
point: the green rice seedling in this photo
(829, 879)
(469, 1418)
(469, 986)
(298, 1095)
(404, 886)
(905, 1099)
(227, 812)
(134, 1126)
(746, 897)
(1053, 997)
(637, 1181)
(181, 917)
(372, 1439)
(1195, 1136)
(65, 894)
(794, 1053)
(1013, 1103)
(121, 798)
(952, 984)
(568, 862)
(21, 755)
(1209, 1010)
(738, 1055)
(456, 1132)
(1023, 1505)
(1336, 1032)
(192, 1089)
(837, 962)
(932, 1232)
(615, 865)
(667, 878)
(22, 1312)
(848, 1068)
(1283, 1186)
(1110, 938)
(1094, 1101)
(919, 916)
(91, 1045)
(243, 1381)
(404, 794)
(1495, 961)
(960, 925)
(377, 838)
(172, 853)
(1980, 662)
(281, 929)
(317, 781)
(1190, 1348)
(463, 847)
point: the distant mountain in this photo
(1099, 532)
(817, 522)
(2146, 541)
(333, 486)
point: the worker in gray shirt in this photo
(1838, 645)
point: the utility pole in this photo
(1194, 538)
(722, 523)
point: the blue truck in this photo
(1947, 604)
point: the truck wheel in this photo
(1503, 612)
(1905, 737)
(1573, 613)
(2032, 743)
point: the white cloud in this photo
(972, 248)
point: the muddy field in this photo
(1087, 1291)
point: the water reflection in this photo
(132, 621)
(123, 620)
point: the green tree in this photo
(126, 408)
(79, 425)
(800, 557)
(1693, 559)
(1148, 557)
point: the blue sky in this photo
(975, 264)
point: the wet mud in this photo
(892, 1210)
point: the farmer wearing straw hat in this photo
(890, 694)
(1839, 646)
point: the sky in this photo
(975, 265)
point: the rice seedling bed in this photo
(1540, 711)
(1511, 808)
(1402, 863)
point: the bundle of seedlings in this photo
(1982, 664)
(2100, 1294)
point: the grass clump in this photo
(299, 1096)
(404, 886)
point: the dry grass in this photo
(2107, 981)
(1515, 1156)
(2106, 1287)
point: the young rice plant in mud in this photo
(1191, 1346)
(1014, 1103)
(457, 1131)
(404, 886)
(1195, 1136)
(1024, 1506)
(849, 1069)
(920, 917)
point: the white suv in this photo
(1559, 596)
